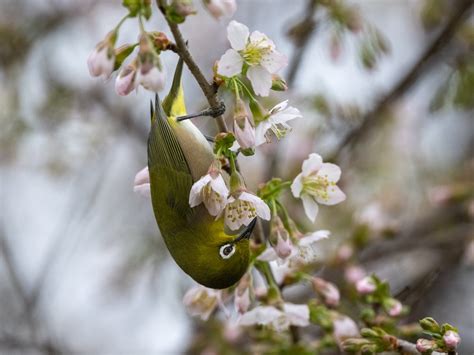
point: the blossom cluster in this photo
(248, 71)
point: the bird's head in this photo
(218, 260)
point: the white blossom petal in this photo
(219, 186)
(263, 211)
(238, 35)
(261, 40)
(330, 171)
(195, 197)
(261, 80)
(285, 115)
(310, 207)
(274, 61)
(262, 315)
(230, 63)
(280, 107)
(314, 237)
(297, 185)
(297, 314)
(312, 164)
(260, 132)
(334, 196)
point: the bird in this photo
(178, 155)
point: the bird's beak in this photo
(247, 232)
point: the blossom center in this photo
(210, 195)
(318, 185)
(254, 52)
(239, 210)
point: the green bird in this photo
(178, 155)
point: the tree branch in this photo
(418, 70)
(301, 33)
(182, 50)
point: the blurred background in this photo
(386, 88)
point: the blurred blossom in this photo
(354, 273)
(201, 301)
(394, 307)
(344, 253)
(232, 331)
(141, 184)
(317, 184)
(211, 190)
(344, 328)
(242, 294)
(327, 290)
(375, 217)
(275, 122)
(257, 51)
(221, 8)
(469, 253)
(126, 81)
(451, 339)
(366, 285)
(292, 314)
(440, 195)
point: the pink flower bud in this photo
(221, 8)
(451, 339)
(243, 128)
(280, 239)
(244, 132)
(327, 290)
(394, 308)
(126, 81)
(366, 285)
(101, 61)
(354, 273)
(283, 247)
(424, 345)
(141, 184)
(153, 79)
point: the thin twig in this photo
(417, 70)
(182, 50)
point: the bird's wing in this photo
(170, 177)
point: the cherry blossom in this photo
(451, 339)
(366, 285)
(255, 54)
(317, 184)
(327, 290)
(210, 190)
(276, 123)
(242, 208)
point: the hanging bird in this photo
(178, 155)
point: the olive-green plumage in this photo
(178, 155)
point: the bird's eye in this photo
(227, 250)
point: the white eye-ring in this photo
(227, 250)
